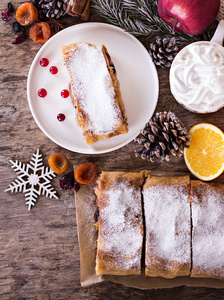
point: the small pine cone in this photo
(163, 51)
(54, 8)
(162, 136)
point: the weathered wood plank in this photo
(39, 254)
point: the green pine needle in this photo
(140, 18)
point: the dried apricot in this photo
(26, 14)
(58, 162)
(85, 173)
(40, 32)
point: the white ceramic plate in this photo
(136, 73)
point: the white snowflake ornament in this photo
(33, 179)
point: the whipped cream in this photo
(197, 77)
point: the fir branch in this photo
(140, 18)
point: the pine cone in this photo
(163, 51)
(54, 8)
(162, 136)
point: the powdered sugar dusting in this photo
(208, 230)
(167, 215)
(93, 87)
(121, 225)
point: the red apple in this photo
(188, 16)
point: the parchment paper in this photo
(85, 214)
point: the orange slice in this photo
(205, 157)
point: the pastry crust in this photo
(96, 91)
(120, 234)
(207, 202)
(168, 229)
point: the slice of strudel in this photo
(207, 202)
(96, 91)
(168, 228)
(120, 224)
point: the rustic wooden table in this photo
(39, 252)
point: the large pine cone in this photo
(162, 136)
(54, 8)
(163, 51)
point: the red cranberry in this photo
(61, 117)
(67, 181)
(76, 186)
(64, 93)
(44, 62)
(42, 93)
(53, 70)
(20, 39)
(6, 15)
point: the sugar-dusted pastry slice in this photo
(168, 228)
(120, 233)
(96, 91)
(207, 202)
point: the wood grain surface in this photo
(39, 252)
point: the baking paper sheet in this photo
(85, 214)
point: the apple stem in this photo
(173, 32)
